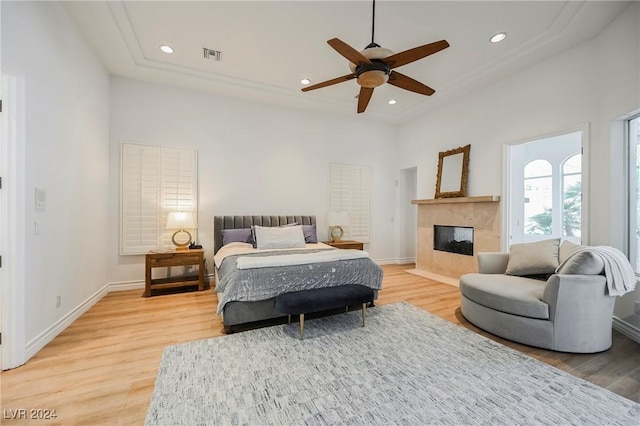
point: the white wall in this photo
(531, 103)
(67, 153)
(594, 83)
(252, 159)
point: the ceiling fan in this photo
(374, 66)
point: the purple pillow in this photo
(310, 235)
(242, 235)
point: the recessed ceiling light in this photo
(166, 49)
(305, 81)
(392, 102)
(497, 38)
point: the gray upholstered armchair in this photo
(567, 312)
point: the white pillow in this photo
(533, 258)
(277, 238)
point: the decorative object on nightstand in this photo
(181, 221)
(336, 221)
(193, 257)
(346, 244)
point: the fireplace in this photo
(453, 239)
(481, 213)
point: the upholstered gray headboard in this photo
(238, 222)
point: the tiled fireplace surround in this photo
(482, 213)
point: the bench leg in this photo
(289, 319)
(301, 326)
(364, 312)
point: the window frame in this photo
(525, 179)
(632, 198)
(563, 176)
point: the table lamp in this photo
(181, 221)
(336, 221)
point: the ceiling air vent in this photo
(211, 54)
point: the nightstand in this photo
(346, 244)
(174, 258)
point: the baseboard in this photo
(59, 326)
(125, 285)
(627, 329)
(137, 285)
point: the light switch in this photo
(41, 198)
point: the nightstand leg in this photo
(147, 281)
(201, 273)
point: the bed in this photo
(246, 294)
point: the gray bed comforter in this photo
(250, 285)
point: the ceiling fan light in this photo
(377, 52)
(373, 78)
(373, 53)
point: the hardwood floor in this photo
(101, 370)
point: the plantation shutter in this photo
(178, 187)
(350, 192)
(154, 181)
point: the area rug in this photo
(406, 366)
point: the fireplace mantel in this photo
(480, 213)
(456, 200)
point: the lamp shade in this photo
(181, 220)
(338, 219)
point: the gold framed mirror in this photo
(453, 166)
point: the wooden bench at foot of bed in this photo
(323, 299)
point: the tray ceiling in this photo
(269, 46)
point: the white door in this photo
(2, 151)
(545, 189)
(12, 220)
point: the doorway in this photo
(408, 215)
(545, 189)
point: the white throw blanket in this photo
(620, 276)
(251, 262)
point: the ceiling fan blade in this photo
(329, 82)
(407, 83)
(408, 56)
(363, 98)
(348, 52)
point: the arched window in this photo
(572, 196)
(538, 198)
